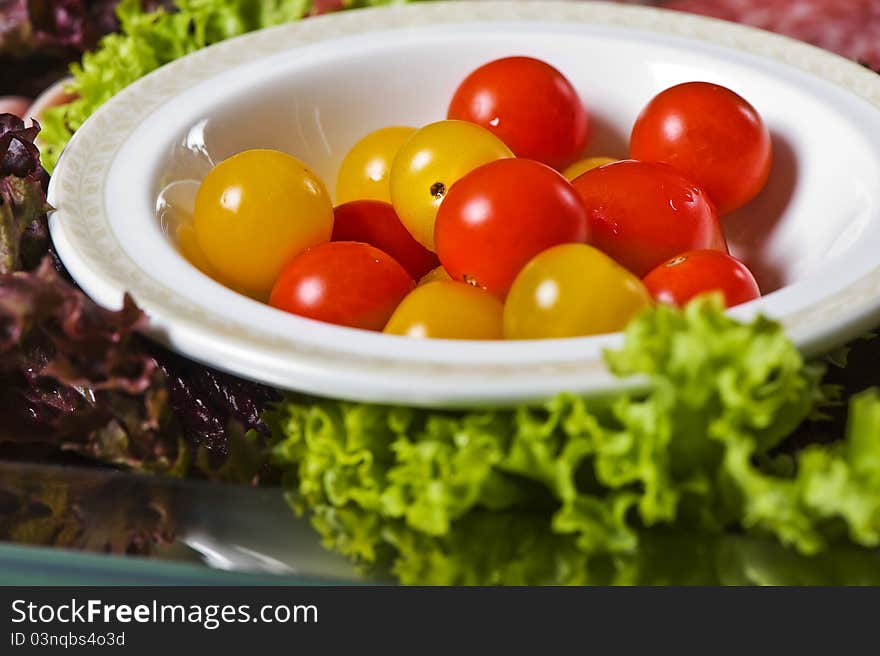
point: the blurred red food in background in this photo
(38, 38)
(324, 6)
(848, 27)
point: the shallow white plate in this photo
(313, 88)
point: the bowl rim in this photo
(86, 243)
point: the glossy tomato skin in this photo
(529, 105)
(499, 216)
(710, 134)
(444, 309)
(429, 163)
(376, 223)
(254, 212)
(572, 290)
(366, 169)
(342, 282)
(642, 214)
(686, 276)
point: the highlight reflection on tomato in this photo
(257, 210)
(427, 166)
(343, 282)
(642, 214)
(499, 216)
(710, 134)
(366, 170)
(529, 105)
(572, 290)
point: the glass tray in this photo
(236, 535)
(223, 534)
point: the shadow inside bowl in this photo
(749, 230)
(606, 138)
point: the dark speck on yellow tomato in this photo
(429, 163)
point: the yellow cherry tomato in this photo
(445, 309)
(569, 291)
(584, 165)
(363, 174)
(189, 247)
(255, 212)
(430, 162)
(434, 275)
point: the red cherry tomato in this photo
(710, 134)
(342, 282)
(680, 279)
(376, 223)
(527, 104)
(500, 215)
(642, 214)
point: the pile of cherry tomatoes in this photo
(489, 225)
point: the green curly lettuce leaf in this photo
(146, 41)
(574, 491)
(834, 491)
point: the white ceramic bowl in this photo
(313, 88)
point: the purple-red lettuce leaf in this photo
(24, 237)
(23, 233)
(75, 375)
(63, 28)
(80, 379)
(18, 154)
(205, 400)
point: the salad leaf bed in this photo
(568, 491)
